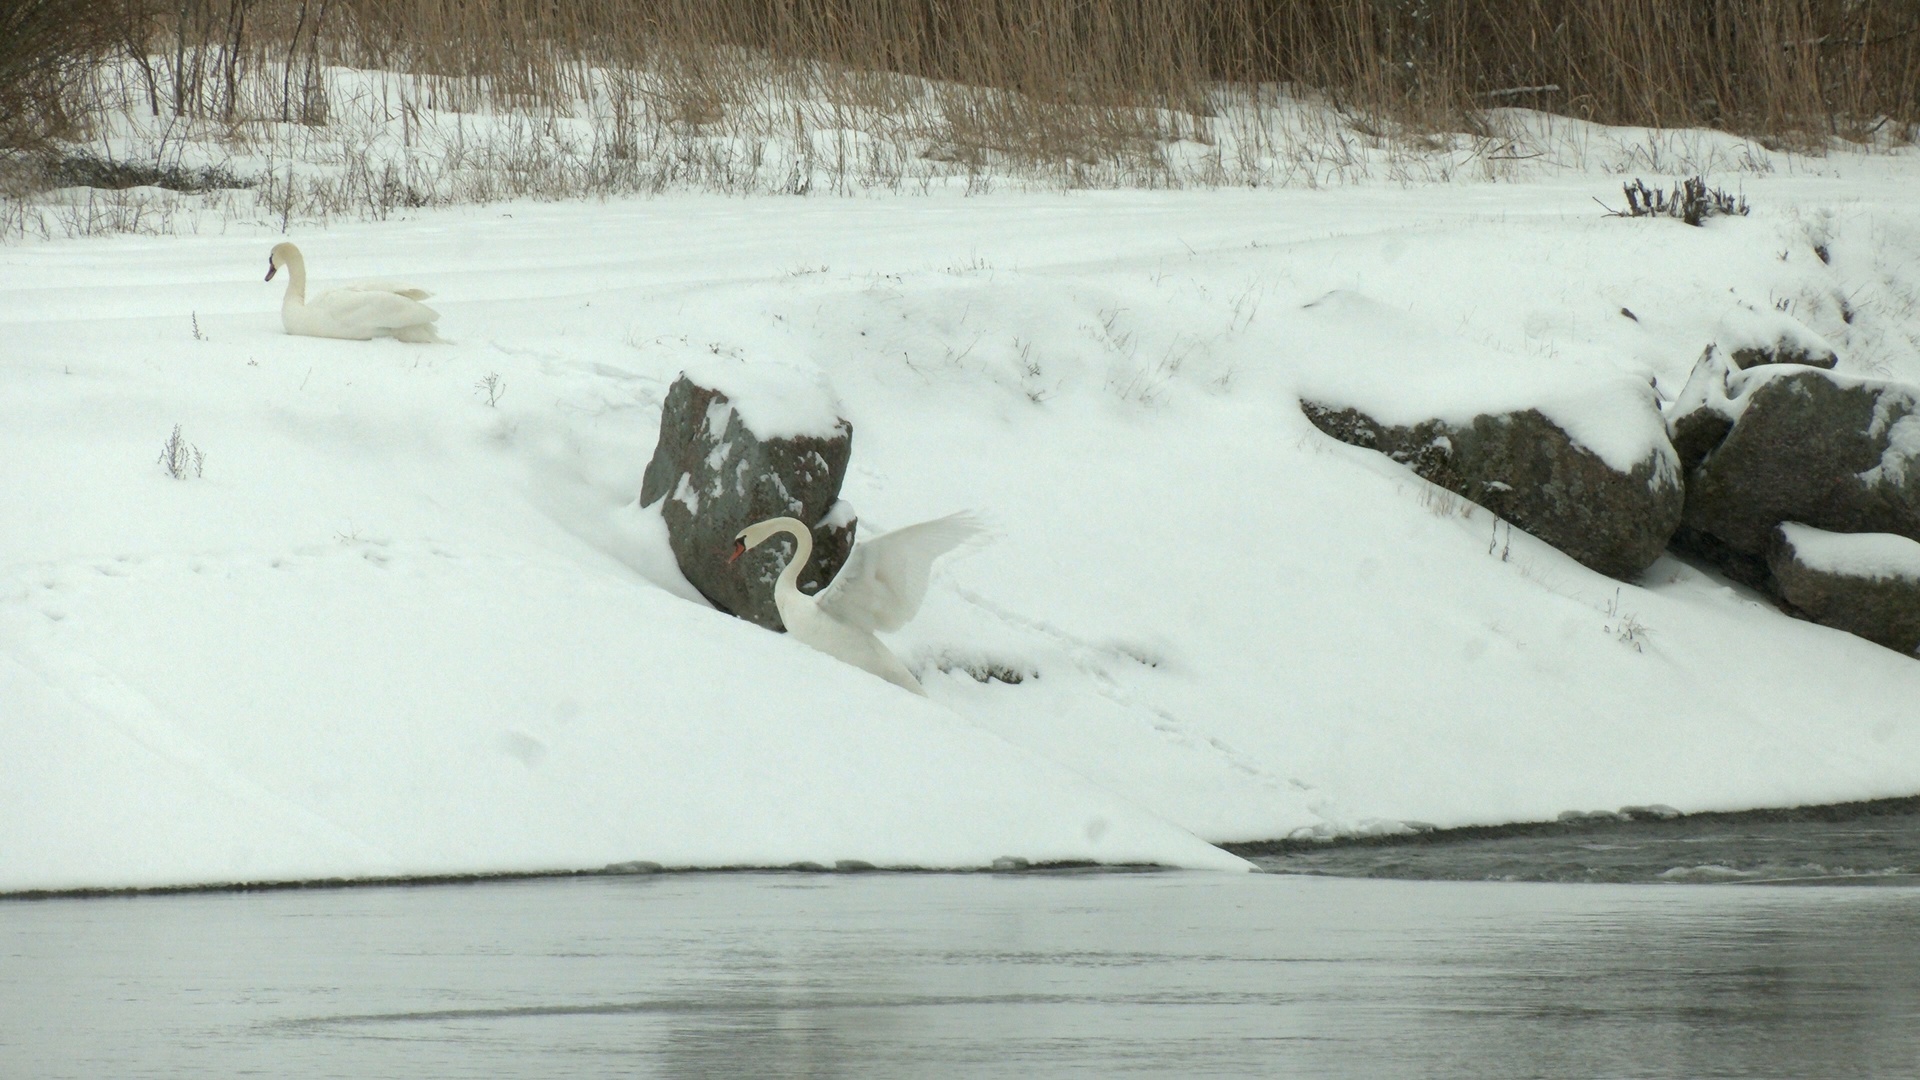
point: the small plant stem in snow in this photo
(1625, 626)
(180, 457)
(492, 387)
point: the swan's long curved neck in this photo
(802, 552)
(296, 277)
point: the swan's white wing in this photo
(369, 310)
(409, 291)
(886, 578)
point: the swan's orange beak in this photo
(271, 267)
(739, 549)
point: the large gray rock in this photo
(717, 475)
(1834, 452)
(1700, 417)
(1525, 468)
(1864, 583)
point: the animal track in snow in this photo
(1097, 662)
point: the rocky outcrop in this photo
(1806, 484)
(1836, 453)
(1864, 583)
(1528, 470)
(717, 475)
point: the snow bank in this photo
(380, 708)
(1771, 334)
(394, 629)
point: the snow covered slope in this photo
(393, 628)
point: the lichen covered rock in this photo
(1837, 453)
(770, 444)
(1864, 583)
(1528, 470)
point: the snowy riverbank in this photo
(395, 629)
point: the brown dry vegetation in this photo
(46, 50)
(1753, 66)
(1061, 83)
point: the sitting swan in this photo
(879, 588)
(358, 312)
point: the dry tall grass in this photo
(1772, 67)
(46, 49)
(610, 95)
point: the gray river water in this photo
(1035, 975)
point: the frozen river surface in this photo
(1016, 975)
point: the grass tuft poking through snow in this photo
(181, 458)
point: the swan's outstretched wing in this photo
(886, 578)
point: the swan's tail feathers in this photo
(903, 678)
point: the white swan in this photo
(879, 588)
(358, 312)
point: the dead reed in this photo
(607, 96)
(47, 47)
(1787, 68)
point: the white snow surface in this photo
(1745, 327)
(394, 630)
(777, 397)
(1862, 555)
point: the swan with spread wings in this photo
(879, 588)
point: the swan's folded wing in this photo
(885, 579)
(409, 291)
(370, 310)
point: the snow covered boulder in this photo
(1526, 468)
(1834, 452)
(1753, 338)
(1864, 583)
(741, 443)
(1704, 412)
(1700, 417)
